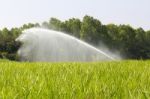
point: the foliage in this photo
(131, 43)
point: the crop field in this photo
(91, 80)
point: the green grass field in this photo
(103, 80)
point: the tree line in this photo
(131, 43)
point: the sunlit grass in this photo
(103, 80)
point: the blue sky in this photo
(14, 13)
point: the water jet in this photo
(40, 44)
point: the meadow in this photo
(77, 80)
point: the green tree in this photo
(73, 27)
(127, 40)
(132, 43)
(90, 30)
(113, 36)
(29, 25)
(141, 46)
(54, 24)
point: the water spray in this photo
(47, 45)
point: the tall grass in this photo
(103, 80)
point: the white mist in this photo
(47, 45)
